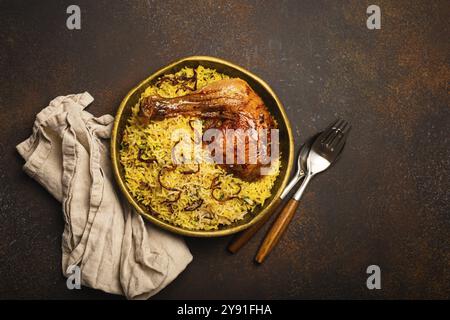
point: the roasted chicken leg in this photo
(224, 104)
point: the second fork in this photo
(323, 153)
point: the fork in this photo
(323, 153)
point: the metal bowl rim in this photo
(165, 225)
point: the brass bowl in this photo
(273, 104)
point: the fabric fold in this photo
(68, 154)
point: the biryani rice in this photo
(146, 155)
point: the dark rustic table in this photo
(386, 202)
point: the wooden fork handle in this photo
(277, 229)
(242, 238)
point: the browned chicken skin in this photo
(225, 104)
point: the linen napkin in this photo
(116, 251)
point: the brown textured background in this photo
(386, 202)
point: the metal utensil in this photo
(241, 239)
(322, 154)
(301, 169)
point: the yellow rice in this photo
(154, 141)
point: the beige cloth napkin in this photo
(116, 251)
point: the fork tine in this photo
(327, 134)
(329, 137)
(342, 131)
(339, 124)
(333, 131)
(337, 132)
(345, 128)
(338, 142)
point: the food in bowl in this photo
(196, 195)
